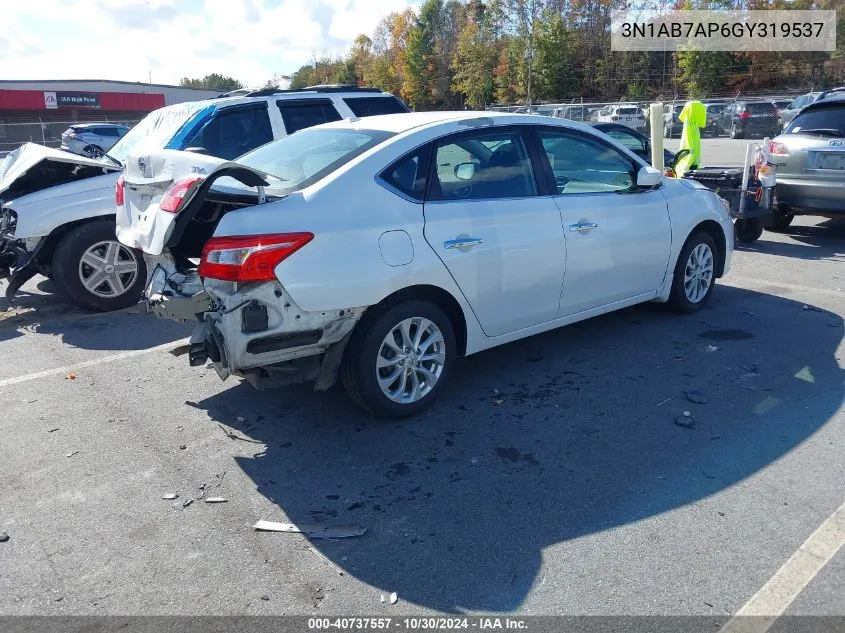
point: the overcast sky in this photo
(127, 39)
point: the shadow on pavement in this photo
(819, 241)
(461, 501)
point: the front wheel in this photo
(399, 360)
(95, 271)
(93, 151)
(695, 274)
(748, 231)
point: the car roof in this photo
(95, 124)
(398, 123)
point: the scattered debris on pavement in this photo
(394, 597)
(182, 447)
(686, 420)
(72, 454)
(216, 500)
(811, 308)
(313, 531)
(187, 503)
(4, 536)
(265, 597)
(53, 430)
(70, 376)
(328, 561)
(693, 395)
(660, 404)
(232, 435)
(170, 496)
(382, 599)
(711, 348)
(498, 401)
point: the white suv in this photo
(58, 212)
(623, 113)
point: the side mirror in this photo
(197, 150)
(464, 171)
(648, 177)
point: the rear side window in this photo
(299, 115)
(408, 174)
(760, 108)
(628, 111)
(829, 120)
(234, 131)
(372, 106)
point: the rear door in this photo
(618, 238)
(488, 219)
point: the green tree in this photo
(213, 81)
(473, 67)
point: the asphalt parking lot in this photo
(557, 475)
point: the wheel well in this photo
(444, 300)
(44, 257)
(715, 231)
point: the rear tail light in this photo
(744, 115)
(249, 257)
(778, 149)
(173, 198)
(119, 192)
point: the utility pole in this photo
(530, 51)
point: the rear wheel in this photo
(781, 219)
(93, 151)
(748, 231)
(398, 361)
(95, 271)
(734, 133)
(695, 274)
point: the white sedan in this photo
(381, 249)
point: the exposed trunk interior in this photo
(196, 223)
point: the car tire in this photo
(93, 151)
(780, 219)
(667, 131)
(734, 133)
(748, 231)
(376, 353)
(90, 252)
(699, 252)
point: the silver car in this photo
(92, 139)
(810, 159)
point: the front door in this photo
(618, 237)
(500, 239)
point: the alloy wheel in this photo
(108, 269)
(698, 273)
(410, 360)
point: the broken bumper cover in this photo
(281, 346)
(177, 297)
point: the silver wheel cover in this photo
(698, 273)
(108, 269)
(410, 360)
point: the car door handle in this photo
(583, 226)
(463, 242)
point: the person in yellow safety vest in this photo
(694, 117)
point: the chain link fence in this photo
(13, 134)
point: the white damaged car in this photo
(381, 249)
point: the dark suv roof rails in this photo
(831, 92)
(266, 92)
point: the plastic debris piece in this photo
(265, 597)
(498, 401)
(711, 348)
(72, 454)
(686, 421)
(394, 597)
(383, 599)
(327, 560)
(182, 447)
(4, 536)
(187, 503)
(696, 396)
(170, 496)
(70, 376)
(314, 531)
(216, 500)
(52, 430)
(660, 404)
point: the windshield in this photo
(827, 118)
(306, 157)
(156, 129)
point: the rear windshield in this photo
(628, 111)
(760, 108)
(306, 157)
(372, 106)
(156, 129)
(829, 120)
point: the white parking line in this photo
(91, 363)
(774, 598)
